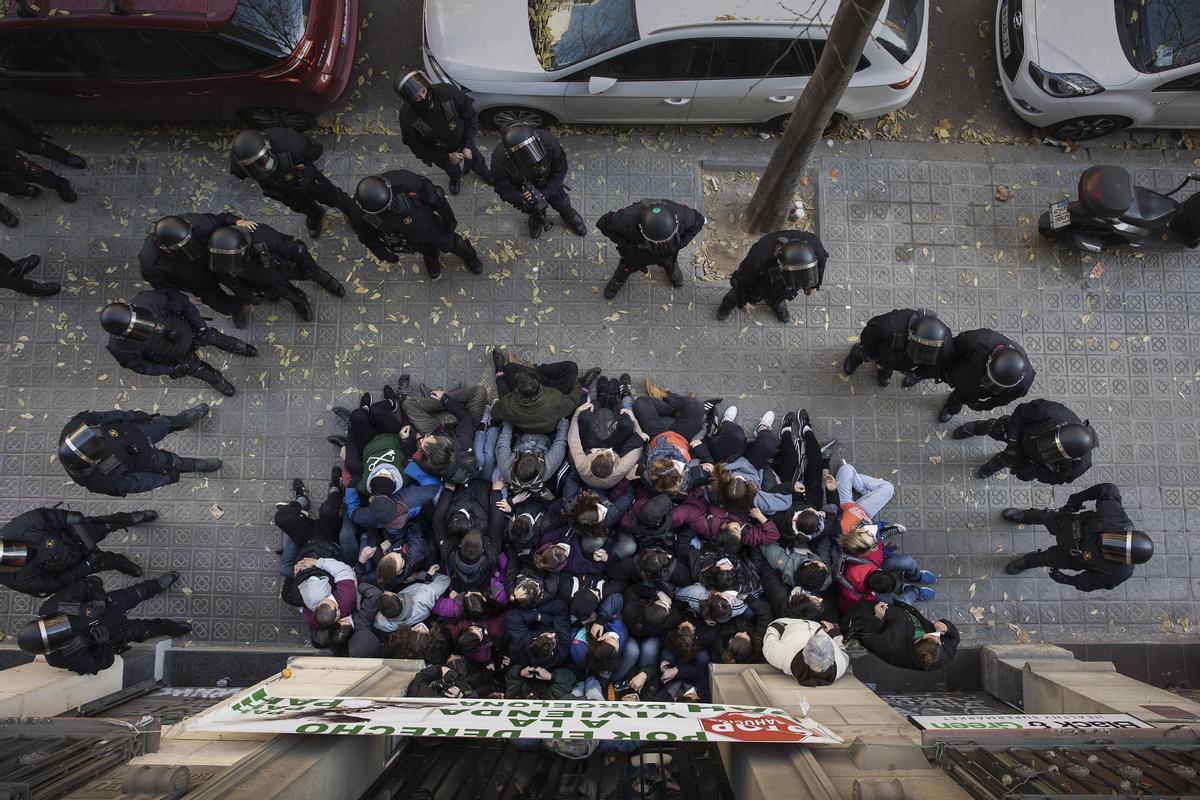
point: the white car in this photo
(660, 61)
(1084, 68)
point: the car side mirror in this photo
(598, 85)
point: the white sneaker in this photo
(768, 419)
(730, 414)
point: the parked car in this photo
(268, 62)
(1084, 68)
(660, 61)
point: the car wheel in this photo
(502, 117)
(277, 118)
(1081, 128)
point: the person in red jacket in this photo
(709, 521)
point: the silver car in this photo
(661, 61)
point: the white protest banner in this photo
(259, 712)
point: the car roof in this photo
(657, 15)
(173, 14)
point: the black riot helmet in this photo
(13, 555)
(1006, 366)
(252, 152)
(175, 236)
(415, 90)
(927, 335)
(523, 146)
(798, 260)
(374, 194)
(227, 250)
(134, 323)
(45, 634)
(1060, 444)
(1126, 547)
(660, 228)
(84, 447)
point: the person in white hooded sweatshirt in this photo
(813, 652)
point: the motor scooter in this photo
(1111, 211)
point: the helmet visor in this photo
(1050, 448)
(226, 260)
(142, 325)
(84, 444)
(414, 89)
(13, 555)
(260, 165)
(922, 350)
(1117, 546)
(55, 631)
(802, 276)
(190, 248)
(527, 153)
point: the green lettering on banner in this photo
(623, 735)
(450, 712)
(522, 723)
(694, 737)
(475, 733)
(505, 734)
(312, 727)
(598, 723)
(382, 730)
(660, 736)
(668, 715)
(485, 713)
(620, 714)
(346, 729)
(535, 713)
(582, 734)
(443, 732)
(560, 714)
(411, 732)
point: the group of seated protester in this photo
(571, 540)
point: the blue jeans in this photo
(907, 565)
(636, 654)
(485, 452)
(873, 493)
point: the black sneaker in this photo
(168, 579)
(336, 440)
(602, 392)
(240, 319)
(304, 309)
(782, 314)
(433, 268)
(342, 413)
(75, 161)
(26, 265)
(225, 387)
(299, 489)
(67, 194)
(625, 385)
(7, 217)
(1015, 515)
(364, 401)
(389, 395)
(499, 359)
(803, 422)
(455, 184)
(1016, 566)
(711, 407)
(615, 283)
(402, 385)
(313, 224)
(589, 377)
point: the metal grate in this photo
(47, 758)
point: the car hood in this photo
(1075, 36)
(488, 40)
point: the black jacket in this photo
(424, 219)
(621, 226)
(98, 641)
(56, 559)
(17, 128)
(163, 271)
(891, 638)
(295, 153)
(129, 444)
(884, 340)
(759, 277)
(1026, 421)
(273, 259)
(1095, 572)
(966, 371)
(637, 598)
(448, 126)
(176, 344)
(547, 177)
(525, 625)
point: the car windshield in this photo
(272, 26)
(901, 30)
(566, 32)
(1158, 35)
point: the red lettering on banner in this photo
(755, 728)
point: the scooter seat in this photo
(1150, 210)
(1105, 191)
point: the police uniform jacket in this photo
(273, 259)
(164, 271)
(448, 126)
(423, 220)
(56, 556)
(131, 447)
(967, 371)
(884, 340)
(759, 276)
(622, 226)
(1096, 572)
(17, 128)
(162, 352)
(1031, 418)
(547, 177)
(98, 640)
(295, 171)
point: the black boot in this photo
(1018, 565)
(589, 377)
(781, 312)
(240, 318)
(433, 267)
(143, 630)
(969, 429)
(199, 464)
(466, 251)
(674, 273)
(188, 418)
(209, 374)
(8, 218)
(854, 360)
(602, 392)
(26, 265)
(949, 409)
(574, 221)
(991, 467)
(455, 183)
(39, 289)
(616, 282)
(911, 380)
(1014, 515)
(118, 562)
(883, 376)
(329, 283)
(537, 224)
(728, 304)
(389, 397)
(65, 192)
(304, 309)
(313, 224)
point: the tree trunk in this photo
(851, 26)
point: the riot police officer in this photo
(47, 549)
(986, 370)
(778, 267)
(83, 628)
(403, 212)
(283, 162)
(1044, 441)
(113, 452)
(260, 264)
(911, 341)
(1102, 545)
(175, 256)
(12, 276)
(18, 131)
(438, 123)
(19, 134)
(159, 332)
(647, 233)
(528, 172)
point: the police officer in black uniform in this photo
(986, 370)
(113, 452)
(648, 233)
(438, 123)
(914, 342)
(1045, 441)
(260, 264)
(83, 628)
(175, 256)
(778, 267)
(403, 212)
(283, 162)
(19, 134)
(528, 172)
(12, 276)
(47, 549)
(1101, 545)
(159, 332)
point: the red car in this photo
(268, 62)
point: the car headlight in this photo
(1064, 84)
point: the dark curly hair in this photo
(431, 647)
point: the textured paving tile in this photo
(1123, 350)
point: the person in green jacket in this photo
(534, 398)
